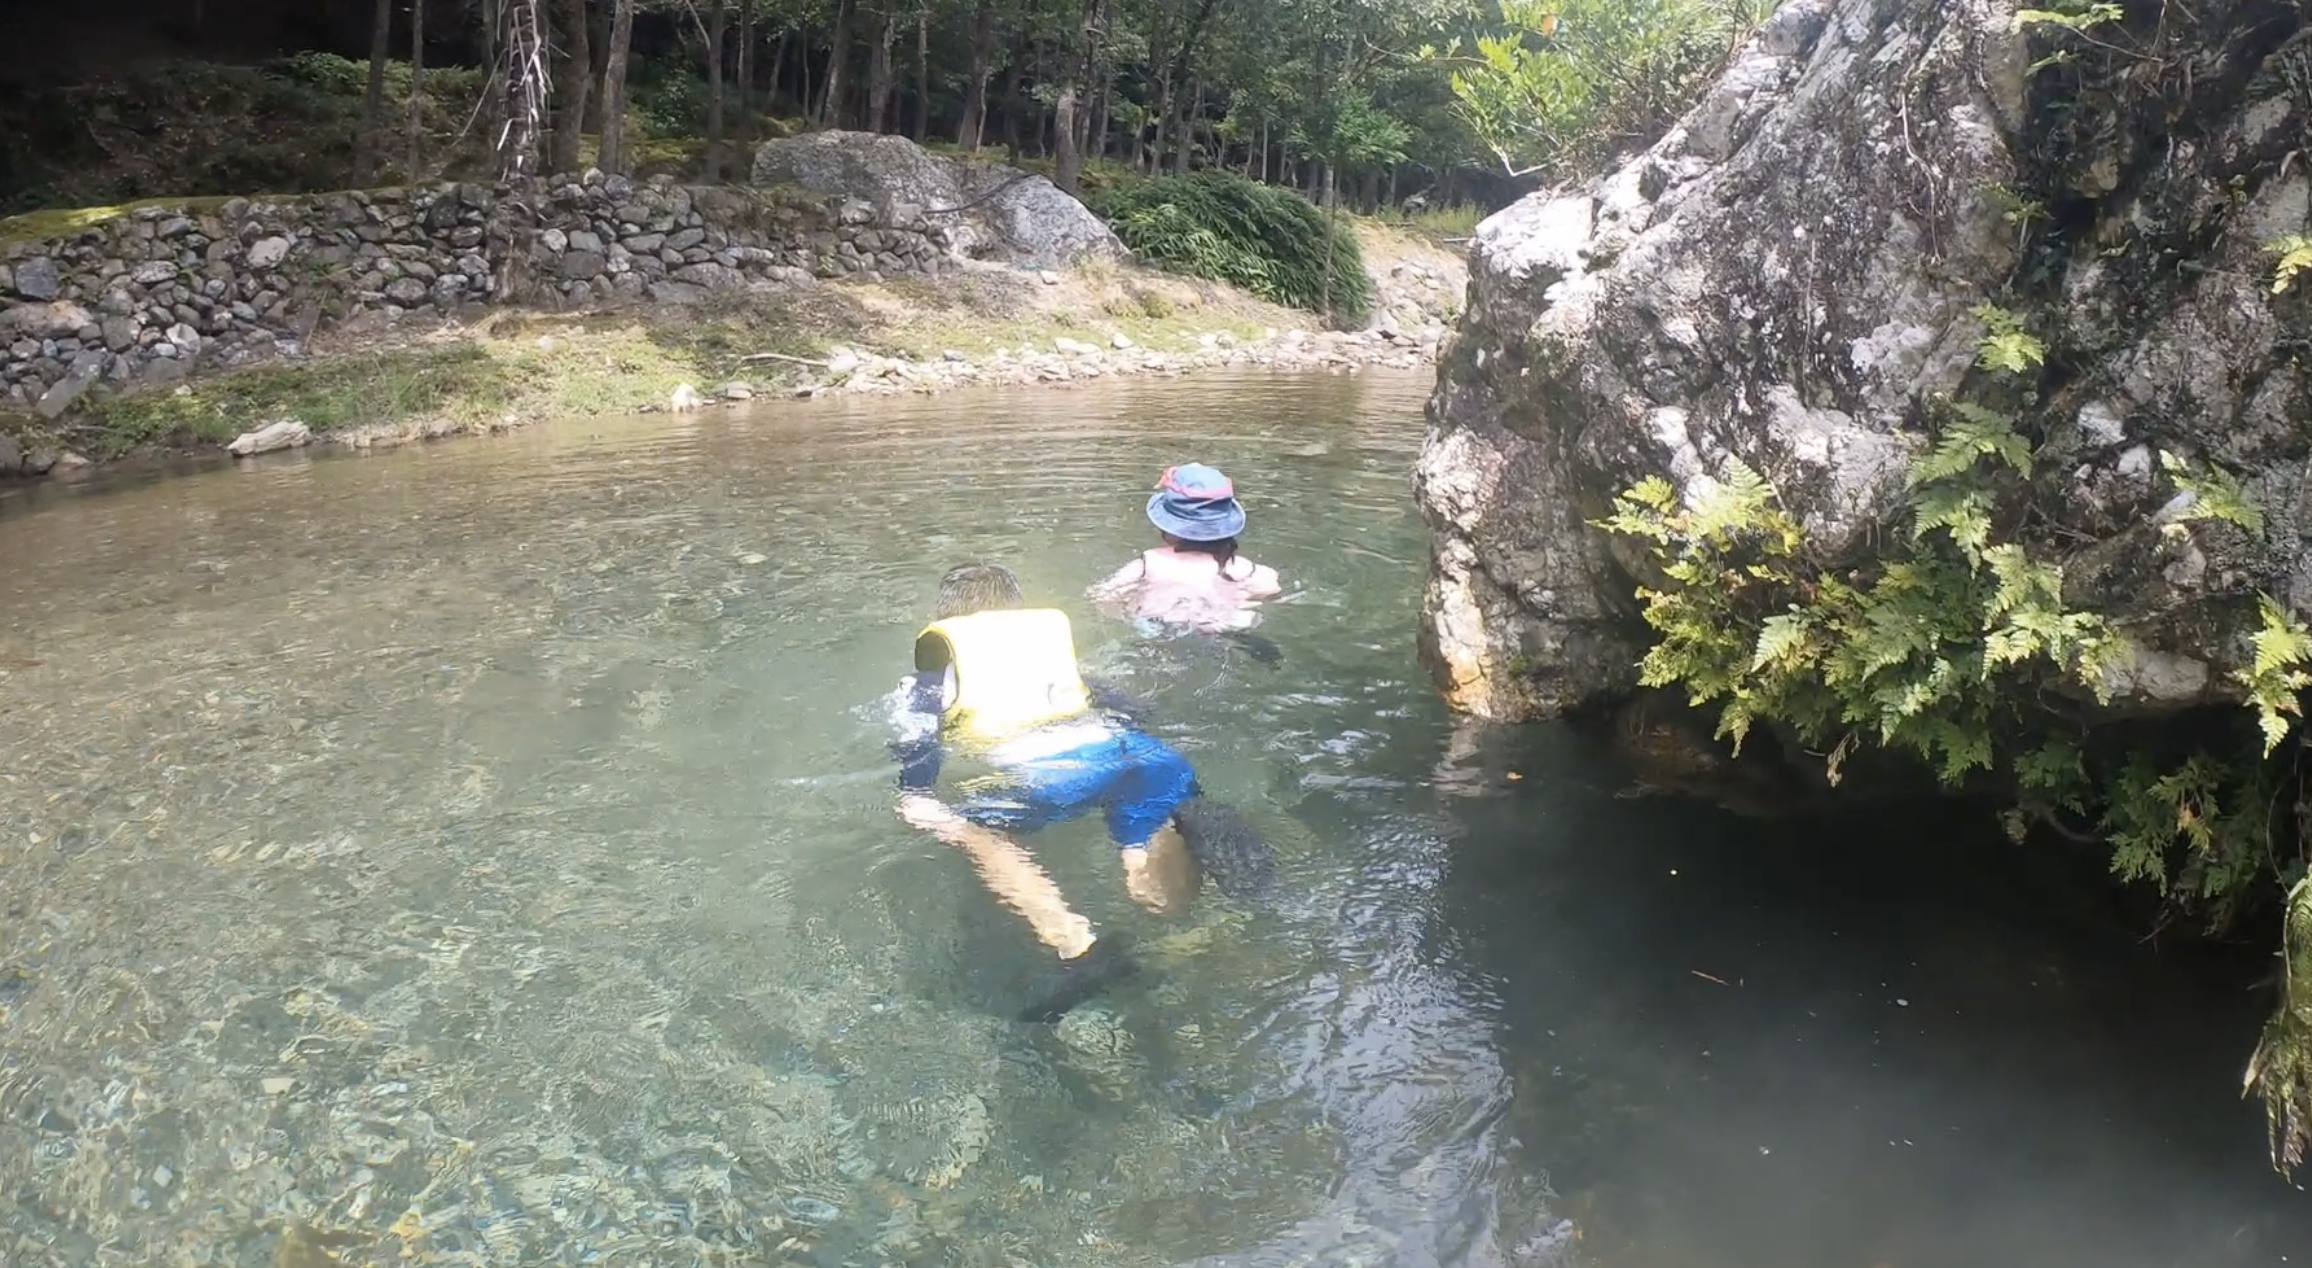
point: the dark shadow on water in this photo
(1885, 1037)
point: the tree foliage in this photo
(1334, 98)
(1559, 84)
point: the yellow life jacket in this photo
(1014, 671)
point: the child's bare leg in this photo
(1010, 873)
(1160, 875)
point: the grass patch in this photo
(327, 394)
(574, 369)
(62, 222)
(1437, 224)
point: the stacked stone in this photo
(139, 299)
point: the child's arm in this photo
(918, 752)
(1120, 582)
(1116, 700)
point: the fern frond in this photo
(2216, 495)
(2295, 252)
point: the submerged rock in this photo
(1789, 277)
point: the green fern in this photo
(2071, 17)
(1970, 433)
(2006, 345)
(2216, 495)
(2274, 678)
(2295, 252)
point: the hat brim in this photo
(1228, 522)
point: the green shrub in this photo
(1264, 238)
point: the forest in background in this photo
(1371, 104)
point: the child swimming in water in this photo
(1194, 579)
(997, 684)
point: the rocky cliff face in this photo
(1787, 279)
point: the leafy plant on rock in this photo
(1958, 648)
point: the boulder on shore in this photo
(988, 211)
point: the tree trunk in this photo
(974, 122)
(366, 144)
(614, 88)
(1184, 138)
(1011, 114)
(527, 83)
(1176, 73)
(570, 119)
(813, 104)
(1096, 133)
(1163, 112)
(527, 86)
(415, 163)
(598, 57)
(717, 26)
(839, 52)
(746, 78)
(1332, 213)
(922, 70)
(1068, 169)
(778, 72)
(879, 70)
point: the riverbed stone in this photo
(710, 276)
(579, 266)
(37, 279)
(266, 253)
(53, 320)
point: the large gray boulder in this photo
(989, 211)
(1788, 275)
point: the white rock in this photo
(285, 434)
(685, 398)
(1121, 341)
(264, 253)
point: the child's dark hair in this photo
(1222, 550)
(976, 588)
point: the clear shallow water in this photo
(484, 854)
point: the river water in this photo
(484, 854)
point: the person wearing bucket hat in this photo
(1194, 578)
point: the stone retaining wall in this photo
(149, 296)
